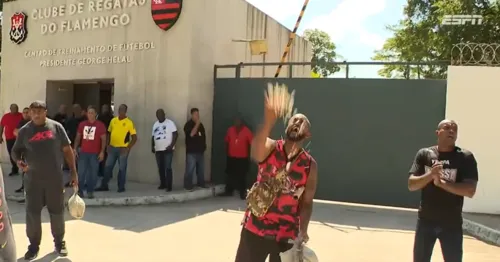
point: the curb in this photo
(176, 197)
(482, 232)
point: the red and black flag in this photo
(166, 12)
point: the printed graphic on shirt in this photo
(89, 132)
(40, 136)
(160, 132)
(448, 174)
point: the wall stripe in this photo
(291, 38)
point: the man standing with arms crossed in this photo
(39, 151)
(280, 202)
(445, 173)
(8, 124)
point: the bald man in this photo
(446, 174)
(280, 202)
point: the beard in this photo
(295, 134)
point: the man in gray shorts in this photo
(42, 144)
(7, 243)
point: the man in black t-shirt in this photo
(195, 148)
(445, 173)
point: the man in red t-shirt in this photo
(91, 138)
(238, 140)
(8, 124)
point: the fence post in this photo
(346, 70)
(238, 71)
(290, 71)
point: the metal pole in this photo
(291, 38)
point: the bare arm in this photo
(104, 139)
(417, 182)
(262, 145)
(78, 138)
(419, 178)
(306, 203)
(133, 140)
(18, 149)
(174, 138)
(16, 131)
(69, 157)
(466, 188)
(195, 129)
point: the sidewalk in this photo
(483, 226)
(136, 194)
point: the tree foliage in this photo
(420, 36)
(323, 52)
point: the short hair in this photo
(26, 108)
(124, 105)
(91, 107)
(38, 105)
(194, 109)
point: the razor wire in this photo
(480, 54)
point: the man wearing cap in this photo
(39, 151)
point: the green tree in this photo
(323, 52)
(420, 36)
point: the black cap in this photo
(38, 105)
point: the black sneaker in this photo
(102, 188)
(31, 254)
(61, 249)
(20, 190)
(22, 201)
(162, 187)
(90, 195)
(13, 174)
(121, 190)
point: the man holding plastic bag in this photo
(42, 143)
(280, 202)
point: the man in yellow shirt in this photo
(122, 137)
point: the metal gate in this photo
(365, 131)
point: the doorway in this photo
(85, 93)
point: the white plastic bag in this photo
(293, 254)
(76, 205)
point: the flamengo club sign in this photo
(97, 21)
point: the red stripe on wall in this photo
(165, 16)
(165, 6)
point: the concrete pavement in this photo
(208, 231)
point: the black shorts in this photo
(237, 166)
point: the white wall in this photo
(472, 100)
(175, 76)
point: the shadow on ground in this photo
(51, 257)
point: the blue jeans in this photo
(164, 162)
(115, 154)
(450, 238)
(194, 161)
(88, 164)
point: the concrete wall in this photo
(472, 100)
(175, 75)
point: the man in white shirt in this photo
(163, 141)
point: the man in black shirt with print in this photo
(445, 173)
(196, 145)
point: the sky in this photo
(357, 27)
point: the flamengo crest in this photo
(165, 13)
(18, 30)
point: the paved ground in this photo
(491, 221)
(208, 231)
